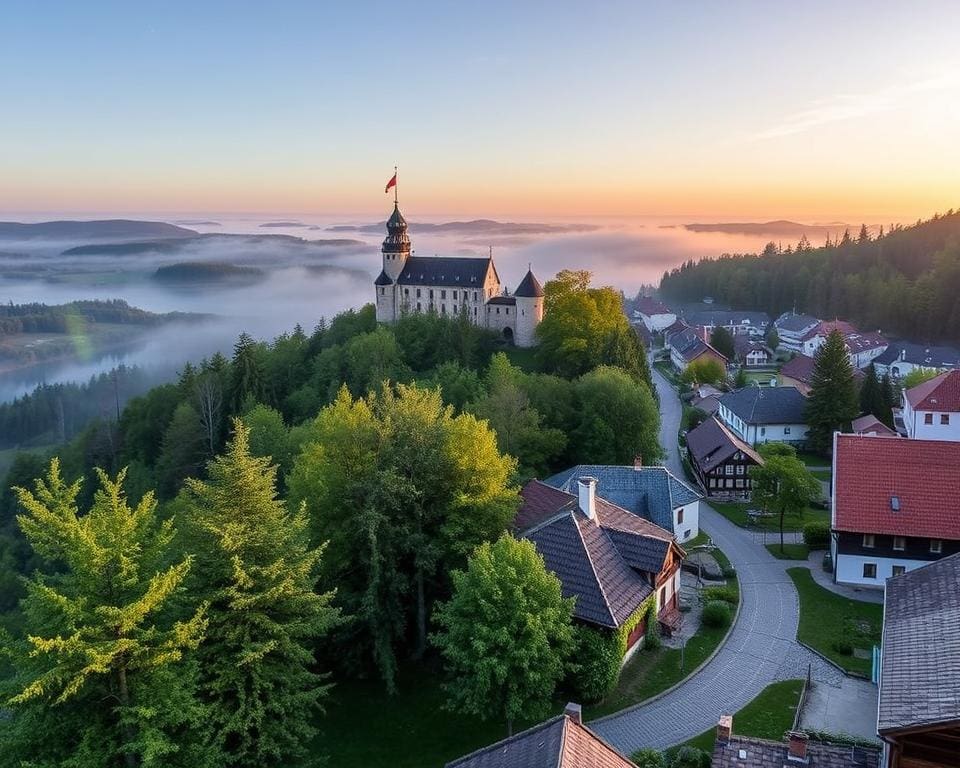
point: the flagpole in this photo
(395, 202)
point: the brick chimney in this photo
(724, 729)
(574, 712)
(586, 496)
(797, 749)
(638, 462)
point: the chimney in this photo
(586, 495)
(724, 729)
(797, 749)
(574, 712)
(638, 462)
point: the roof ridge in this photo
(601, 740)
(508, 739)
(596, 576)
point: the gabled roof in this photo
(918, 477)
(765, 753)
(529, 287)
(651, 492)
(649, 306)
(941, 393)
(689, 344)
(383, 279)
(728, 317)
(449, 271)
(799, 368)
(793, 323)
(711, 444)
(767, 405)
(561, 742)
(919, 354)
(744, 345)
(871, 425)
(920, 663)
(860, 342)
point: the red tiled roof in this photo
(800, 368)
(650, 306)
(922, 475)
(540, 503)
(859, 342)
(870, 424)
(941, 393)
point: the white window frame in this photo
(903, 543)
(936, 546)
(869, 541)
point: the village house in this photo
(862, 347)
(896, 506)
(903, 357)
(798, 373)
(612, 561)
(752, 353)
(871, 425)
(765, 414)
(689, 345)
(706, 398)
(793, 328)
(560, 742)
(453, 286)
(653, 493)
(918, 712)
(816, 337)
(655, 315)
(721, 461)
(931, 410)
(738, 322)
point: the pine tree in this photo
(833, 401)
(257, 571)
(890, 398)
(873, 399)
(101, 678)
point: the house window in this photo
(739, 483)
(763, 430)
(740, 469)
(868, 541)
(728, 469)
(928, 418)
(443, 309)
(786, 430)
(474, 295)
(899, 570)
(869, 570)
(679, 515)
(936, 546)
(944, 419)
(899, 543)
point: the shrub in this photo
(690, 757)
(726, 594)
(649, 758)
(597, 663)
(716, 613)
(816, 535)
(843, 647)
(729, 572)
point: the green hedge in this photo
(596, 666)
(716, 613)
(817, 535)
(726, 594)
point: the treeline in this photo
(315, 495)
(905, 281)
(64, 318)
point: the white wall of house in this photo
(849, 568)
(941, 426)
(863, 358)
(756, 434)
(686, 521)
(658, 322)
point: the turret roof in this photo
(529, 287)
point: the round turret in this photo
(529, 298)
(396, 245)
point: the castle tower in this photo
(396, 251)
(529, 298)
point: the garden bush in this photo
(726, 594)
(596, 664)
(843, 647)
(816, 535)
(649, 758)
(690, 757)
(716, 613)
(729, 572)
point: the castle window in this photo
(474, 295)
(431, 293)
(498, 310)
(523, 312)
(418, 305)
(507, 310)
(474, 311)
(418, 293)
(443, 294)
(443, 308)
(406, 291)
(454, 295)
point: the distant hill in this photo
(57, 318)
(284, 224)
(207, 273)
(474, 227)
(906, 282)
(176, 245)
(107, 229)
(779, 228)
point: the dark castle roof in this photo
(396, 219)
(529, 287)
(383, 279)
(446, 270)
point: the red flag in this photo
(391, 183)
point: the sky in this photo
(813, 111)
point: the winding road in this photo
(761, 648)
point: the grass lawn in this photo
(790, 551)
(822, 474)
(828, 620)
(813, 459)
(364, 726)
(761, 377)
(736, 513)
(768, 716)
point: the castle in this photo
(450, 286)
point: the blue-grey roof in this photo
(450, 271)
(529, 287)
(653, 493)
(919, 354)
(767, 405)
(794, 323)
(383, 279)
(689, 344)
(726, 317)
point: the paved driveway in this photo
(760, 650)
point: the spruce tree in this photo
(101, 678)
(833, 401)
(258, 572)
(873, 399)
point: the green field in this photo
(736, 513)
(790, 551)
(828, 621)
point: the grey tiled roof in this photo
(794, 323)
(689, 344)
(651, 492)
(728, 317)
(763, 753)
(767, 405)
(711, 444)
(529, 287)
(449, 271)
(383, 279)
(919, 354)
(920, 668)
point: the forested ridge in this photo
(289, 518)
(904, 281)
(63, 318)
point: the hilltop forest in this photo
(904, 281)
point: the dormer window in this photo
(895, 503)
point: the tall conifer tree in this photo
(833, 401)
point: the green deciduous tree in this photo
(101, 678)
(782, 484)
(918, 376)
(704, 370)
(722, 340)
(505, 633)
(833, 402)
(258, 572)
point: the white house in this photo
(896, 506)
(765, 414)
(903, 357)
(862, 347)
(655, 315)
(931, 410)
(792, 328)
